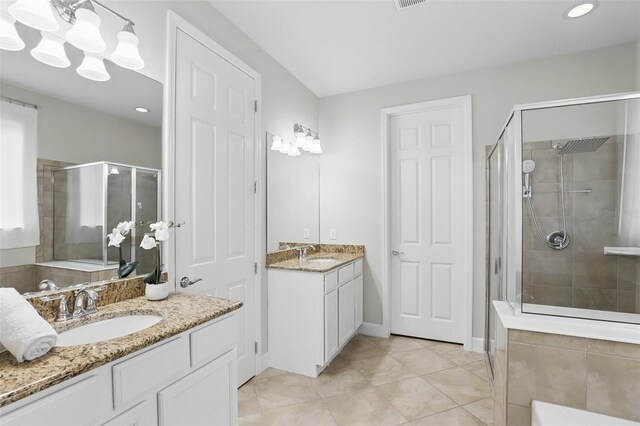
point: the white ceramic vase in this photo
(157, 291)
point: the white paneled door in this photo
(214, 184)
(429, 229)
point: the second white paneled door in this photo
(429, 229)
(214, 183)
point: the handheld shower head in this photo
(528, 166)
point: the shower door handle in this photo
(186, 282)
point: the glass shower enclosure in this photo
(91, 199)
(563, 211)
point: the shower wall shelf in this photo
(622, 251)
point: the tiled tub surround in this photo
(580, 276)
(180, 312)
(596, 375)
(288, 259)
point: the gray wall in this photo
(285, 101)
(75, 134)
(351, 179)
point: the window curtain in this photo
(19, 220)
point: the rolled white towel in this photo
(22, 330)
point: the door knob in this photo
(186, 282)
(396, 252)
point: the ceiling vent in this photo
(403, 4)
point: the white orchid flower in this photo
(115, 238)
(148, 243)
(161, 230)
(125, 227)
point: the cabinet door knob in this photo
(186, 282)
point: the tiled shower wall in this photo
(580, 276)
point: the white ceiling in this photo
(125, 90)
(342, 46)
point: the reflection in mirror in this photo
(293, 196)
(87, 161)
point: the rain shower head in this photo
(576, 146)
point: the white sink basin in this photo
(107, 329)
(322, 260)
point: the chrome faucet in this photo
(48, 285)
(63, 309)
(303, 251)
(85, 303)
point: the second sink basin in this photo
(107, 329)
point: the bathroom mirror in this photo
(97, 160)
(293, 196)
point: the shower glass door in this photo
(494, 287)
(581, 221)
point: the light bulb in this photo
(85, 33)
(294, 152)
(35, 14)
(285, 147)
(9, 38)
(92, 68)
(126, 54)
(277, 143)
(50, 51)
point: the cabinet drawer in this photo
(345, 273)
(358, 267)
(77, 404)
(134, 378)
(330, 282)
(210, 342)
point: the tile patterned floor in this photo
(374, 381)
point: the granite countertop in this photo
(180, 312)
(310, 266)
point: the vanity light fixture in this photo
(294, 151)
(9, 38)
(276, 143)
(141, 109)
(85, 34)
(580, 9)
(126, 54)
(50, 51)
(306, 139)
(315, 147)
(298, 131)
(35, 14)
(285, 147)
(92, 68)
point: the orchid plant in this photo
(117, 236)
(160, 233)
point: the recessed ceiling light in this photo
(580, 9)
(141, 109)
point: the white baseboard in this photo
(371, 329)
(477, 344)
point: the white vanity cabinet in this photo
(312, 316)
(188, 379)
